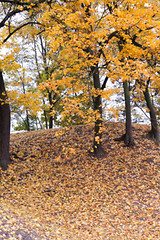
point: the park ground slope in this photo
(56, 189)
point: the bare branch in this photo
(15, 2)
(104, 83)
(18, 28)
(14, 12)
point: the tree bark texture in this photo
(97, 144)
(153, 119)
(51, 109)
(128, 138)
(27, 121)
(4, 126)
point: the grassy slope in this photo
(59, 188)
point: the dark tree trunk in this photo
(128, 138)
(27, 121)
(50, 110)
(50, 122)
(97, 101)
(4, 126)
(153, 119)
(45, 116)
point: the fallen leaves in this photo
(69, 194)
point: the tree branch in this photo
(104, 83)
(14, 12)
(15, 2)
(9, 14)
(18, 28)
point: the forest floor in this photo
(55, 189)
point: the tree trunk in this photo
(45, 118)
(4, 126)
(97, 145)
(50, 110)
(153, 119)
(50, 122)
(27, 121)
(45, 115)
(128, 139)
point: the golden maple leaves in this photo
(82, 30)
(84, 34)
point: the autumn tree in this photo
(78, 59)
(45, 66)
(24, 99)
(153, 118)
(9, 10)
(149, 77)
(98, 38)
(112, 33)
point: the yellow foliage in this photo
(121, 38)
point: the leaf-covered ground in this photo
(63, 192)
